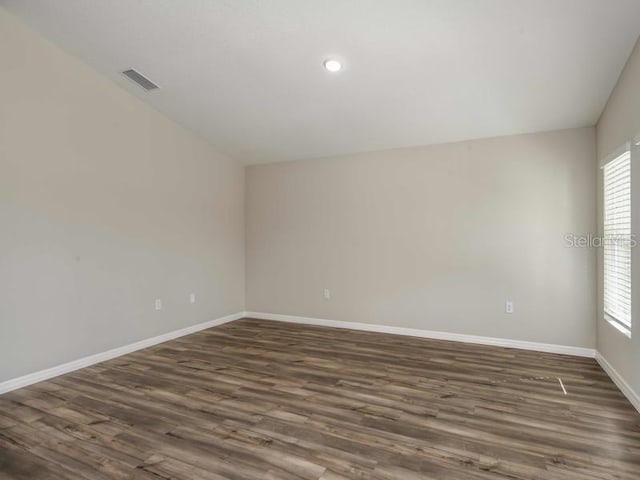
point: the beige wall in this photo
(620, 123)
(105, 205)
(436, 238)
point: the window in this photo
(618, 242)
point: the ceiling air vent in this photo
(140, 79)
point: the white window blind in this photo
(617, 240)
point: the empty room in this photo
(319, 239)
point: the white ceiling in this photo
(248, 76)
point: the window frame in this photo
(611, 319)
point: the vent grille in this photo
(140, 79)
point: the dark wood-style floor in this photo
(265, 400)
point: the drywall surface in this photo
(437, 238)
(619, 124)
(105, 206)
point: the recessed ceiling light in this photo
(332, 65)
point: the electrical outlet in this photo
(158, 304)
(192, 298)
(508, 307)
(326, 294)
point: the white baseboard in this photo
(41, 375)
(624, 387)
(414, 332)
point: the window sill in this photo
(621, 328)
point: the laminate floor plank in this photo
(256, 399)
